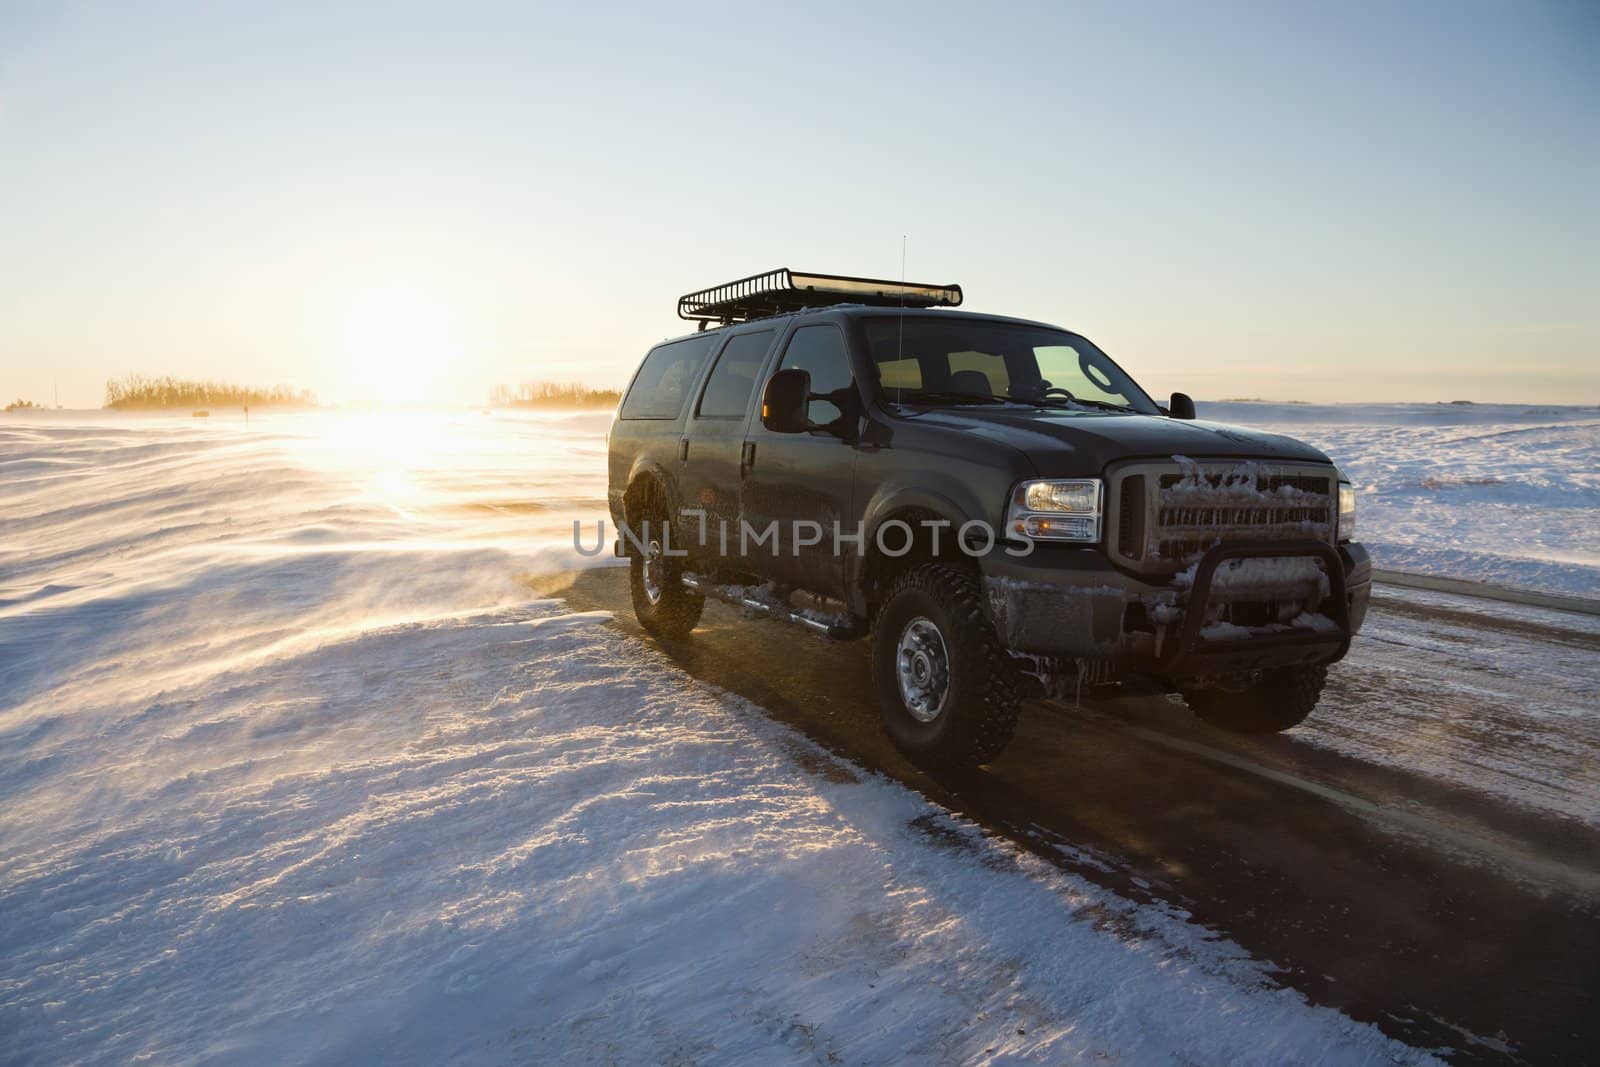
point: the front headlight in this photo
(1060, 509)
(1347, 511)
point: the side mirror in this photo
(1181, 407)
(785, 400)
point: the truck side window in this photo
(820, 351)
(663, 382)
(733, 381)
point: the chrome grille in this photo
(1167, 514)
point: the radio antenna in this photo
(900, 346)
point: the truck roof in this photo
(855, 311)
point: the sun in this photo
(399, 344)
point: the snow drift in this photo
(296, 769)
(1502, 493)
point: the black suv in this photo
(994, 500)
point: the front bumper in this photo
(1072, 603)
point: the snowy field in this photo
(1503, 493)
(296, 768)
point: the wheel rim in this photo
(922, 667)
(655, 572)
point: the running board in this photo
(780, 612)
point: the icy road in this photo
(314, 747)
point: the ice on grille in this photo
(1202, 505)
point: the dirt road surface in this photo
(1424, 854)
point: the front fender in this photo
(955, 508)
(889, 500)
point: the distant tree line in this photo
(23, 405)
(551, 394)
(138, 392)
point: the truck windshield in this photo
(964, 361)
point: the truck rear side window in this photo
(663, 382)
(733, 382)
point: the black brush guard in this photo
(1187, 652)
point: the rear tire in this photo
(1279, 700)
(946, 689)
(663, 605)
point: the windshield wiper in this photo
(951, 396)
(1104, 405)
(1077, 401)
(948, 396)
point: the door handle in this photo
(683, 450)
(747, 458)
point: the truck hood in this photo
(1081, 443)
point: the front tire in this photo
(945, 686)
(1276, 701)
(663, 605)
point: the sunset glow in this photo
(1316, 205)
(399, 343)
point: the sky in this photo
(405, 203)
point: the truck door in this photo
(713, 450)
(805, 480)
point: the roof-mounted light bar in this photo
(783, 290)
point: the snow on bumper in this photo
(1077, 605)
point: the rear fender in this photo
(648, 477)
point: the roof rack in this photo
(781, 290)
